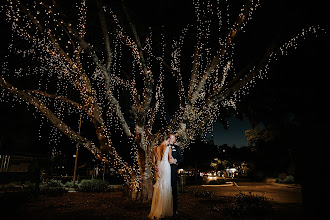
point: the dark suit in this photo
(176, 154)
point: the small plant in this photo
(69, 184)
(54, 183)
(287, 180)
(249, 205)
(94, 185)
(203, 193)
(52, 188)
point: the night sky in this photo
(275, 21)
(234, 135)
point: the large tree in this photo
(89, 57)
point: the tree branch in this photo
(46, 111)
(59, 124)
(47, 34)
(120, 114)
(238, 82)
(75, 104)
(194, 72)
(149, 81)
(216, 60)
(137, 39)
(81, 81)
(105, 34)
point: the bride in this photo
(162, 201)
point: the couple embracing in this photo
(165, 157)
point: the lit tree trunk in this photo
(146, 174)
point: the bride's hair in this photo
(167, 137)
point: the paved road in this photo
(278, 193)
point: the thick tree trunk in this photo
(140, 189)
(146, 184)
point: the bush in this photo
(203, 193)
(94, 185)
(217, 182)
(52, 188)
(287, 180)
(54, 183)
(249, 205)
(69, 184)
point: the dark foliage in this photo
(250, 204)
(287, 180)
(52, 188)
(203, 193)
(94, 185)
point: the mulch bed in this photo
(112, 205)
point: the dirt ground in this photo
(112, 205)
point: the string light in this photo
(64, 56)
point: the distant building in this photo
(14, 163)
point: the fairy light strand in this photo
(66, 62)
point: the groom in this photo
(176, 154)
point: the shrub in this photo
(287, 180)
(52, 188)
(203, 193)
(69, 184)
(94, 185)
(217, 182)
(249, 205)
(54, 183)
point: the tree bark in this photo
(146, 175)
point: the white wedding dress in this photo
(162, 201)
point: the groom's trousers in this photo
(174, 184)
